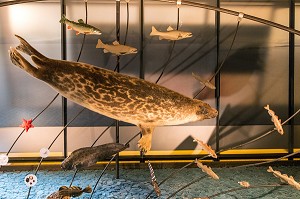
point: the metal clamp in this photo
(240, 16)
(178, 3)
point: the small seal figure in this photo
(112, 94)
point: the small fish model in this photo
(171, 34)
(207, 170)
(56, 195)
(80, 27)
(204, 82)
(153, 180)
(116, 48)
(73, 191)
(285, 178)
(275, 120)
(244, 184)
(206, 147)
(118, 96)
(89, 156)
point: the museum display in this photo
(155, 87)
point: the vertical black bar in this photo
(217, 78)
(64, 57)
(142, 68)
(118, 70)
(291, 76)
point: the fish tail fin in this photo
(100, 44)
(63, 19)
(270, 169)
(88, 189)
(153, 31)
(267, 107)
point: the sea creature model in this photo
(80, 27)
(73, 191)
(89, 156)
(244, 184)
(171, 34)
(116, 48)
(206, 148)
(207, 170)
(153, 180)
(275, 120)
(204, 82)
(27, 124)
(112, 94)
(285, 178)
(55, 195)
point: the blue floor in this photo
(135, 183)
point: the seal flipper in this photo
(145, 142)
(26, 48)
(18, 60)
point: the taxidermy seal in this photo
(115, 95)
(89, 156)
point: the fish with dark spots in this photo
(164, 106)
(89, 156)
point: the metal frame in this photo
(291, 105)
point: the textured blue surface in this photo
(135, 183)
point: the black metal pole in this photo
(291, 77)
(142, 68)
(217, 78)
(118, 70)
(64, 57)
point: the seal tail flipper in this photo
(145, 142)
(153, 31)
(26, 48)
(88, 189)
(18, 60)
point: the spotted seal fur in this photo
(115, 95)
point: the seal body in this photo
(115, 95)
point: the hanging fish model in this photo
(207, 170)
(275, 120)
(89, 156)
(112, 94)
(204, 82)
(73, 191)
(206, 148)
(56, 195)
(171, 34)
(285, 178)
(244, 184)
(80, 27)
(153, 180)
(116, 48)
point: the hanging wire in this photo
(242, 188)
(221, 65)
(109, 164)
(105, 130)
(127, 22)
(84, 35)
(185, 186)
(37, 169)
(238, 146)
(32, 121)
(172, 48)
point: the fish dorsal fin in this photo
(62, 188)
(170, 28)
(116, 43)
(291, 177)
(80, 21)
